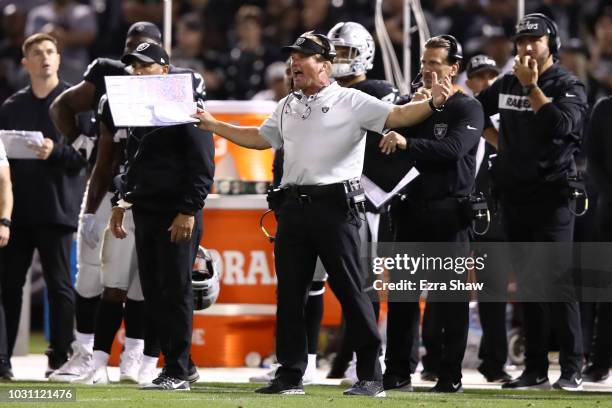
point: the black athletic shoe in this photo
(429, 376)
(495, 376)
(571, 382)
(167, 383)
(593, 373)
(447, 387)
(396, 382)
(528, 381)
(367, 388)
(278, 386)
(6, 372)
(192, 375)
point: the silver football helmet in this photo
(205, 280)
(361, 47)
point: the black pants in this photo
(449, 320)
(546, 222)
(493, 350)
(601, 352)
(53, 244)
(165, 275)
(325, 228)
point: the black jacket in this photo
(536, 151)
(171, 169)
(443, 149)
(45, 191)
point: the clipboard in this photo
(16, 143)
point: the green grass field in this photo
(242, 396)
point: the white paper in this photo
(378, 196)
(16, 143)
(150, 100)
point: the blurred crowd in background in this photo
(233, 42)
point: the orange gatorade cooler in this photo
(233, 161)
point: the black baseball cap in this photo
(481, 63)
(532, 26)
(148, 53)
(306, 46)
(146, 30)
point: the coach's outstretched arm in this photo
(416, 112)
(245, 136)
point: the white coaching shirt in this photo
(3, 159)
(324, 135)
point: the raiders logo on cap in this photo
(142, 47)
(300, 41)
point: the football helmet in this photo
(204, 280)
(361, 47)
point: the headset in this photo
(328, 46)
(554, 41)
(455, 52)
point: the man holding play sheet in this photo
(46, 192)
(169, 174)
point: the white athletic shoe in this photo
(350, 375)
(79, 365)
(129, 366)
(267, 377)
(310, 375)
(146, 375)
(97, 376)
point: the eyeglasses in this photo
(306, 113)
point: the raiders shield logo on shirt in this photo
(325, 109)
(440, 130)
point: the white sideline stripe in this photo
(236, 202)
(238, 309)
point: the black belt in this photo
(313, 191)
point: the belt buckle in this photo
(304, 199)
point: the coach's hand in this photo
(391, 142)
(181, 228)
(422, 94)
(206, 120)
(44, 150)
(115, 224)
(526, 70)
(440, 89)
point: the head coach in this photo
(322, 128)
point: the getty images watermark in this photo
(415, 266)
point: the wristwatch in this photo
(434, 108)
(528, 88)
(6, 222)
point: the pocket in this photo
(353, 217)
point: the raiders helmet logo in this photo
(325, 109)
(300, 41)
(142, 47)
(440, 130)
